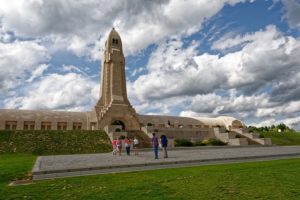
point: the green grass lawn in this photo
(285, 138)
(49, 142)
(258, 180)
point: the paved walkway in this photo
(86, 164)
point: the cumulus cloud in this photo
(37, 72)
(291, 122)
(19, 60)
(173, 71)
(57, 92)
(82, 26)
(292, 15)
(259, 79)
(269, 57)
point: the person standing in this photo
(115, 148)
(135, 146)
(155, 144)
(164, 144)
(119, 145)
(127, 145)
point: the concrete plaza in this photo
(87, 164)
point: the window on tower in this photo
(115, 41)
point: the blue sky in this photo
(190, 58)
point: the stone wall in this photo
(72, 120)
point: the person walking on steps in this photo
(155, 144)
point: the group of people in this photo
(155, 145)
(118, 145)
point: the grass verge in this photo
(258, 180)
(284, 138)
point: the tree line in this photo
(282, 127)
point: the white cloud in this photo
(38, 72)
(58, 92)
(229, 41)
(4, 36)
(283, 109)
(19, 60)
(291, 122)
(292, 14)
(267, 59)
(258, 80)
(72, 68)
(137, 71)
(82, 26)
(173, 71)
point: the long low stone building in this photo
(11, 119)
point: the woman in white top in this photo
(135, 146)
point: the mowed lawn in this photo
(284, 138)
(278, 179)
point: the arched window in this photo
(113, 41)
(116, 41)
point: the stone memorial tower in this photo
(113, 106)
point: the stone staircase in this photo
(237, 137)
(144, 140)
(228, 137)
(253, 138)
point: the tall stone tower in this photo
(113, 105)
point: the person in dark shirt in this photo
(155, 144)
(164, 144)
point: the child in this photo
(114, 144)
(119, 145)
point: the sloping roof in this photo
(225, 121)
(10, 114)
(163, 119)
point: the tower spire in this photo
(113, 82)
(113, 93)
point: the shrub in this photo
(183, 143)
(199, 143)
(205, 142)
(216, 142)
